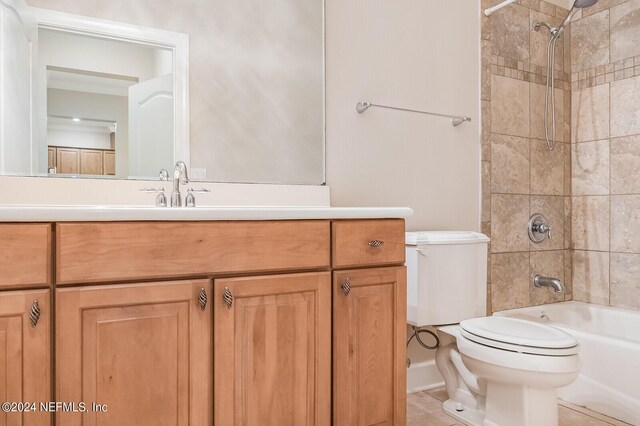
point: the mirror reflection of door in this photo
(151, 132)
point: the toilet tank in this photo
(446, 277)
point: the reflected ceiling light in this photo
(75, 119)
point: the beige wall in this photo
(413, 54)
(606, 154)
(520, 176)
(252, 64)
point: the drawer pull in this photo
(375, 243)
(202, 299)
(346, 286)
(34, 313)
(227, 297)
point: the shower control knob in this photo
(539, 229)
(544, 229)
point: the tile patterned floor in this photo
(425, 409)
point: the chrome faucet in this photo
(555, 283)
(180, 177)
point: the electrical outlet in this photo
(198, 174)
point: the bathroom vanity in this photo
(296, 320)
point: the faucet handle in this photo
(544, 229)
(190, 200)
(164, 175)
(161, 198)
(539, 228)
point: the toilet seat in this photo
(521, 336)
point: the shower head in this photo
(577, 5)
(581, 4)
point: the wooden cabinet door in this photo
(109, 162)
(272, 350)
(68, 160)
(25, 360)
(369, 341)
(51, 152)
(144, 350)
(91, 161)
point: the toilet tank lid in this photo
(444, 237)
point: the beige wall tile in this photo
(509, 217)
(567, 115)
(625, 30)
(625, 165)
(590, 168)
(537, 111)
(590, 41)
(625, 223)
(590, 114)
(551, 208)
(547, 8)
(625, 107)
(625, 281)
(485, 61)
(568, 275)
(540, 41)
(600, 6)
(509, 106)
(509, 164)
(486, 192)
(567, 222)
(486, 130)
(591, 277)
(509, 281)
(547, 168)
(567, 170)
(590, 223)
(510, 32)
(547, 264)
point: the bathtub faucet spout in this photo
(554, 283)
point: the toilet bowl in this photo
(498, 371)
(505, 371)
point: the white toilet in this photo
(498, 371)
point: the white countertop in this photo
(53, 213)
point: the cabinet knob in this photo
(346, 286)
(227, 297)
(34, 313)
(202, 299)
(376, 243)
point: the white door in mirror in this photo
(151, 132)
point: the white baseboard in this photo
(423, 376)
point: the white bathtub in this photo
(609, 381)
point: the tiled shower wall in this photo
(520, 176)
(605, 148)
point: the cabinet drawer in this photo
(25, 255)
(122, 251)
(368, 242)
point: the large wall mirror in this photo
(121, 90)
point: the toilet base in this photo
(510, 404)
(467, 416)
